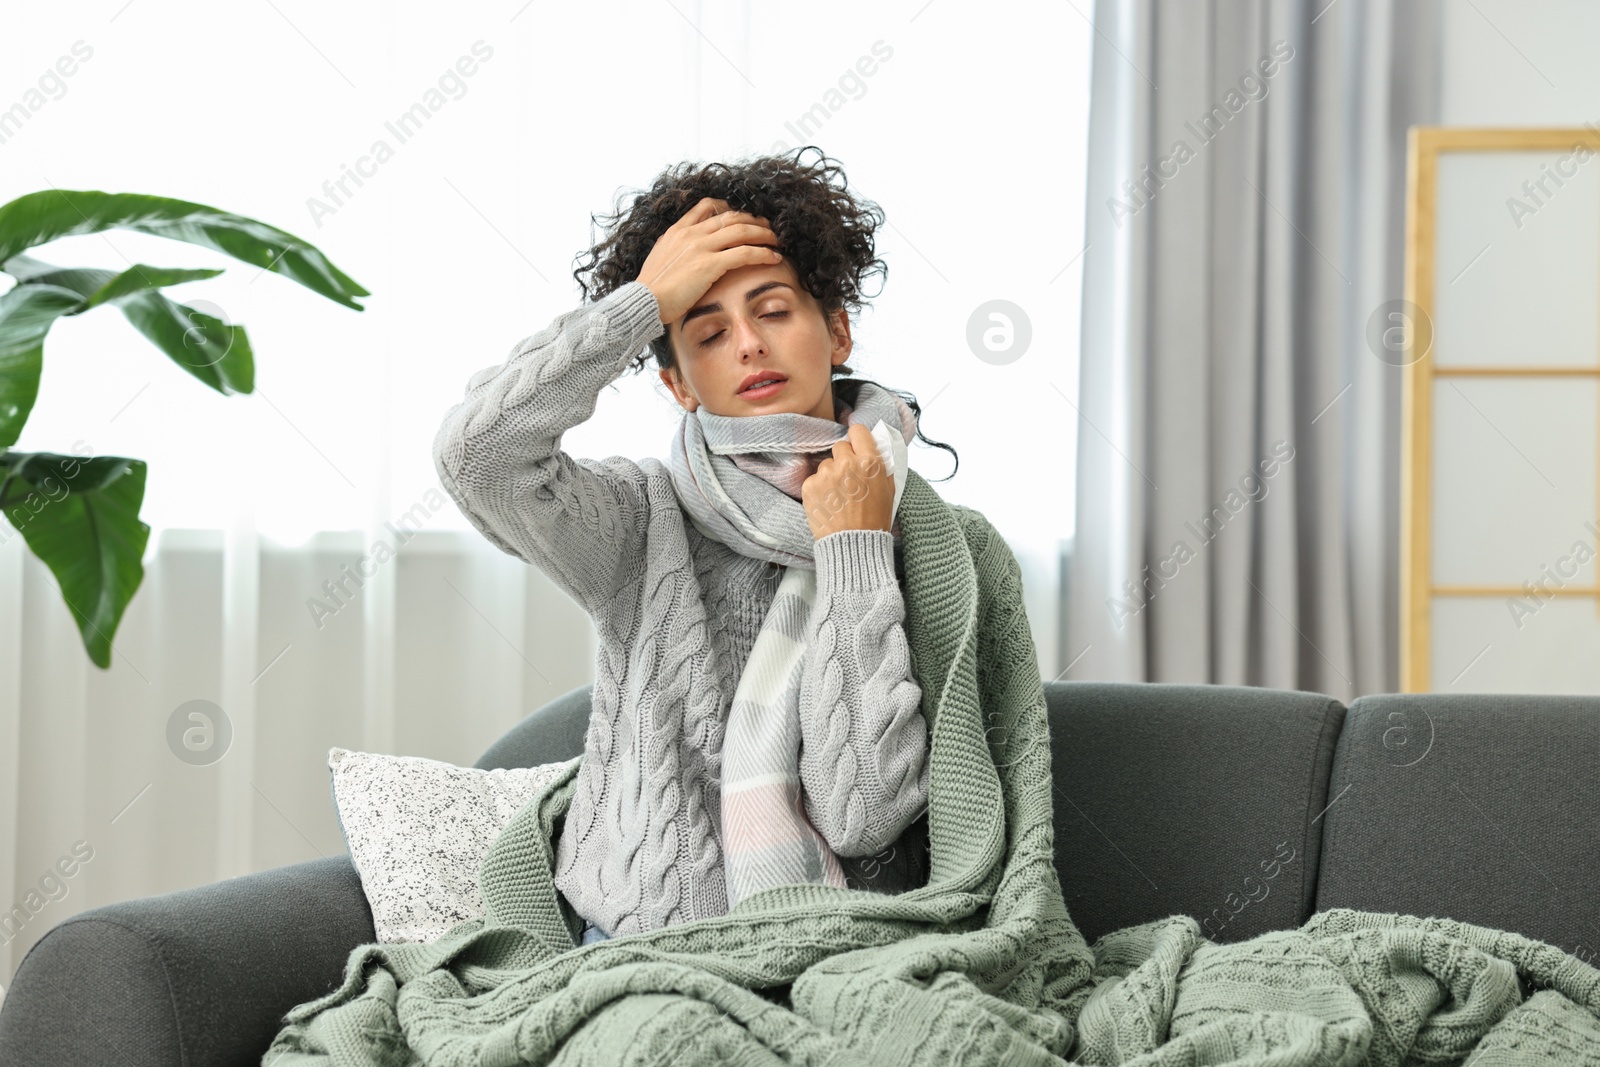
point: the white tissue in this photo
(892, 447)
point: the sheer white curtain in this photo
(965, 122)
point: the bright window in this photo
(970, 133)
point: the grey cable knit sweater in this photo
(676, 614)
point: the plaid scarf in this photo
(738, 478)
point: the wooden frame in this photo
(1417, 588)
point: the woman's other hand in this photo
(851, 489)
(707, 242)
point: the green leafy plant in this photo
(80, 515)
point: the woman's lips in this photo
(763, 391)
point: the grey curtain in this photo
(1238, 439)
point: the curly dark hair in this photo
(824, 231)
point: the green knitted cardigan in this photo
(982, 965)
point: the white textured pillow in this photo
(418, 830)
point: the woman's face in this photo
(757, 320)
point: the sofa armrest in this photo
(195, 978)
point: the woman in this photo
(768, 543)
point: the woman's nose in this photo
(747, 339)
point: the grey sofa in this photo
(1247, 808)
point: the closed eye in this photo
(768, 315)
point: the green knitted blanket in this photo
(980, 966)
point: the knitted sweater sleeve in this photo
(498, 454)
(863, 737)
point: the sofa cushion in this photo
(1189, 799)
(1472, 807)
(418, 830)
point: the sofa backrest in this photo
(1484, 809)
(548, 734)
(1200, 799)
(1203, 800)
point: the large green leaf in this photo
(36, 218)
(216, 352)
(81, 517)
(98, 286)
(26, 315)
(140, 276)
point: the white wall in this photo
(1520, 63)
